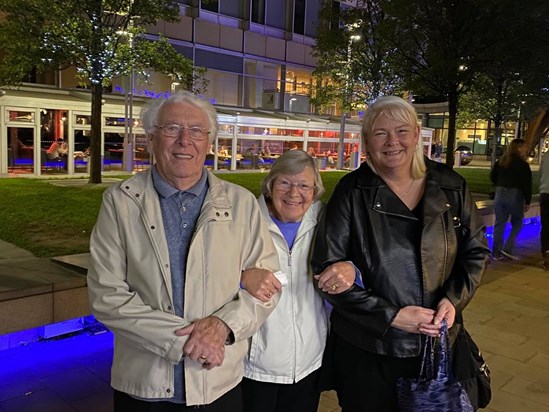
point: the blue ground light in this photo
(530, 230)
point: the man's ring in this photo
(202, 357)
(335, 286)
(268, 295)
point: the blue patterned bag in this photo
(436, 389)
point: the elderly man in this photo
(167, 254)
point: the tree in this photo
(352, 64)
(511, 65)
(101, 38)
(535, 72)
(435, 42)
(493, 95)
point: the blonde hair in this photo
(394, 108)
(292, 162)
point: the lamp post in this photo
(128, 124)
(128, 114)
(347, 95)
(129, 138)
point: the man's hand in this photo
(206, 343)
(262, 284)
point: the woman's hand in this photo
(336, 278)
(415, 319)
(411, 318)
(262, 284)
(445, 310)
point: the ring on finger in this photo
(268, 295)
(335, 286)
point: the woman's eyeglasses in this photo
(286, 186)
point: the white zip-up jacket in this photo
(130, 288)
(289, 345)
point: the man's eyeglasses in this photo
(174, 130)
(286, 186)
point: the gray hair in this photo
(149, 114)
(394, 108)
(292, 162)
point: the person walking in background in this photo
(282, 369)
(544, 207)
(512, 179)
(438, 151)
(167, 254)
(413, 231)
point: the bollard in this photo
(457, 159)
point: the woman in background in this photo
(512, 178)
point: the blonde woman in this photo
(410, 227)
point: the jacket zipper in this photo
(289, 258)
(294, 373)
(445, 262)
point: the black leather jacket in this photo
(403, 260)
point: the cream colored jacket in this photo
(130, 290)
(289, 345)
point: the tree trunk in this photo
(497, 140)
(95, 138)
(498, 118)
(452, 114)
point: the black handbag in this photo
(436, 389)
(471, 370)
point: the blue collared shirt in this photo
(180, 211)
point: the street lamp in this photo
(347, 95)
(128, 124)
(129, 139)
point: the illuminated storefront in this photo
(33, 118)
(476, 135)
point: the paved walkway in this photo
(509, 319)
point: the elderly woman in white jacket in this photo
(281, 371)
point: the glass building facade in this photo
(258, 57)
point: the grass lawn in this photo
(51, 220)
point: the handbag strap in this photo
(427, 361)
(444, 369)
(436, 351)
